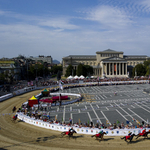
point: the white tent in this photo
(70, 77)
(76, 77)
(81, 77)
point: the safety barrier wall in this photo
(4, 97)
(83, 130)
(78, 95)
(24, 90)
(17, 92)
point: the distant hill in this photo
(56, 62)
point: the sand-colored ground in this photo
(22, 136)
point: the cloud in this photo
(61, 23)
(109, 17)
(115, 26)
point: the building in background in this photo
(47, 59)
(107, 63)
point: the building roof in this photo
(80, 57)
(135, 56)
(108, 51)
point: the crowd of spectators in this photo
(43, 114)
(6, 89)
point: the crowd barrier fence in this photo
(83, 130)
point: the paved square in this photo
(100, 104)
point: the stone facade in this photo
(107, 63)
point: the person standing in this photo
(70, 120)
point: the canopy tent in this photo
(70, 77)
(76, 77)
(33, 100)
(81, 77)
(45, 92)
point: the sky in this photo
(59, 28)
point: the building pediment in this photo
(113, 59)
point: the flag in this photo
(127, 122)
(118, 121)
(62, 82)
(137, 122)
(79, 121)
(147, 121)
(60, 85)
(107, 122)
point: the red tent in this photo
(33, 100)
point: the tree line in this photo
(142, 69)
(81, 69)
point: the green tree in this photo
(69, 71)
(84, 70)
(80, 70)
(55, 69)
(139, 69)
(89, 70)
(147, 67)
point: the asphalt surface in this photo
(100, 104)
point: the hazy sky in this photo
(73, 27)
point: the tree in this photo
(147, 67)
(84, 70)
(139, 69)
(69, 70)
(80, 70)
(55, 69)
(89, 70)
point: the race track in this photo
(22, 136)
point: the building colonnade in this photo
(112, 69)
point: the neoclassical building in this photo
(107, 63)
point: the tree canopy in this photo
(84, 70)
(69, 70)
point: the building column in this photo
(126, 69)
(116, 69)
(119, 68)
(102, 69)
(109, 69)
(112, 68)
(122, 68)
(106, 69)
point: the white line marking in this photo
(79, 110)
(85, 107)
(107, 108)
(122, 115)
(125, 112)
(70, 108)
(105, 117)
(89, 116)
(64, 113)
(96, 114)
(132, 106)
(137, 115)
(143, 108)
